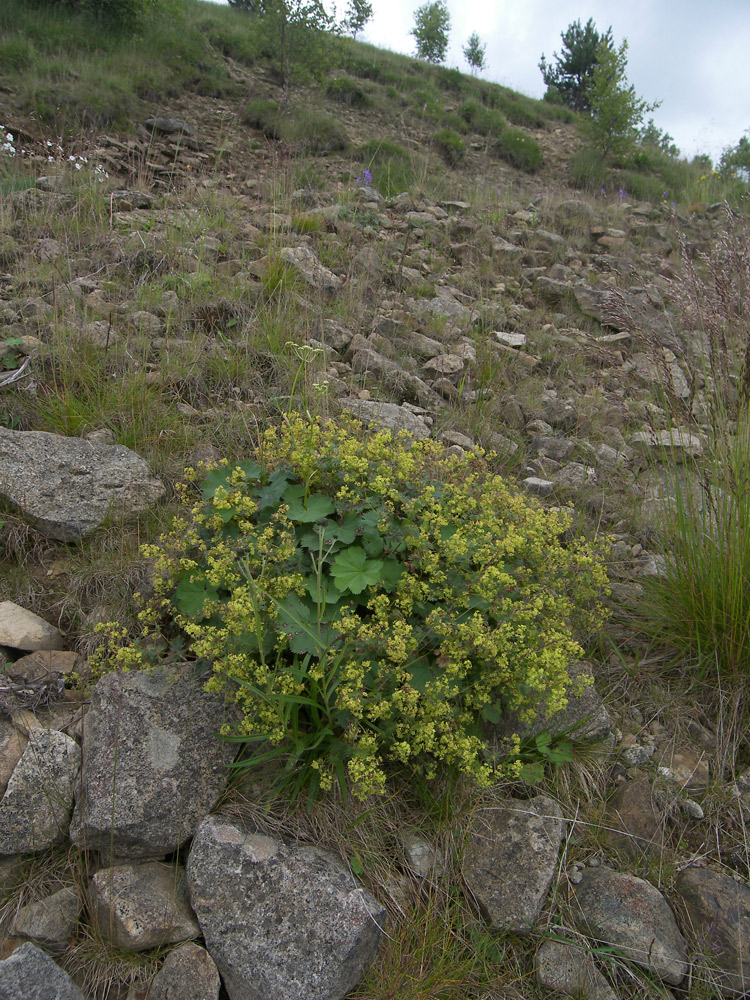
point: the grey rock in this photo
(168, 126)
(422, 857)
(633, 822)
(306, 264)
(68, 485)
(558, 413)
(137, 907)
(388, 415)
(49, 922)
(334, 334)
(631, 914)
(22, 629)
(35, 810)
(445, 364)
(585, 716)
(574, 208)
(127, 200)
(278, 919)
(408, 387)
(153, 764)
(511, 339)
(574, 476)
(538, 487)
(12, 745)
(552, 290)
(188, 973)
(558, 448)
(30, 974)
(718, 910)
(672, 444)
(510, 860)
(570, 969)
(146, 322)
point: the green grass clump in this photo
(450, 145)
(701, 605)
(519, 149)
(485, 121)
(311, 130)
(369, 600)
(393, 168)
(347, 91)
(305, 223)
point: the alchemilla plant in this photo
(369, 602)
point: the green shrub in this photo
(368, 602)
(519, 149)
(520, 110)
(347, 91)
(314, 131)
(15, 54)
(484, 121)
(453, 121)
(450, 145)
(450, 79)
(125, 13)
(262, 114)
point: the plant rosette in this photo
(370, 602)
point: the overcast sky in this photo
(692, 55)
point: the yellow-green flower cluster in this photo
(482, 614)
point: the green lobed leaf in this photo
(353, 571)
(191, 594)
(308, 509)
(221, 477)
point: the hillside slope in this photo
(180, 280)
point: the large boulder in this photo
(69, 485)
(279, 920)
(153, 762)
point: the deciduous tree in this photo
(474, 53)
(432, 22)
(358, 13)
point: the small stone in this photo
(511, 339)
(691, 808)
(633, 916)
(35, 810)
(422, 858)
(49, 922)
(137, 907)
(637, 755)
(510, 860)
(188, 973)
(538, 487)
(22, 629)
(570, 969)
(30, 974)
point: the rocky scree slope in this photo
(514, 315)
